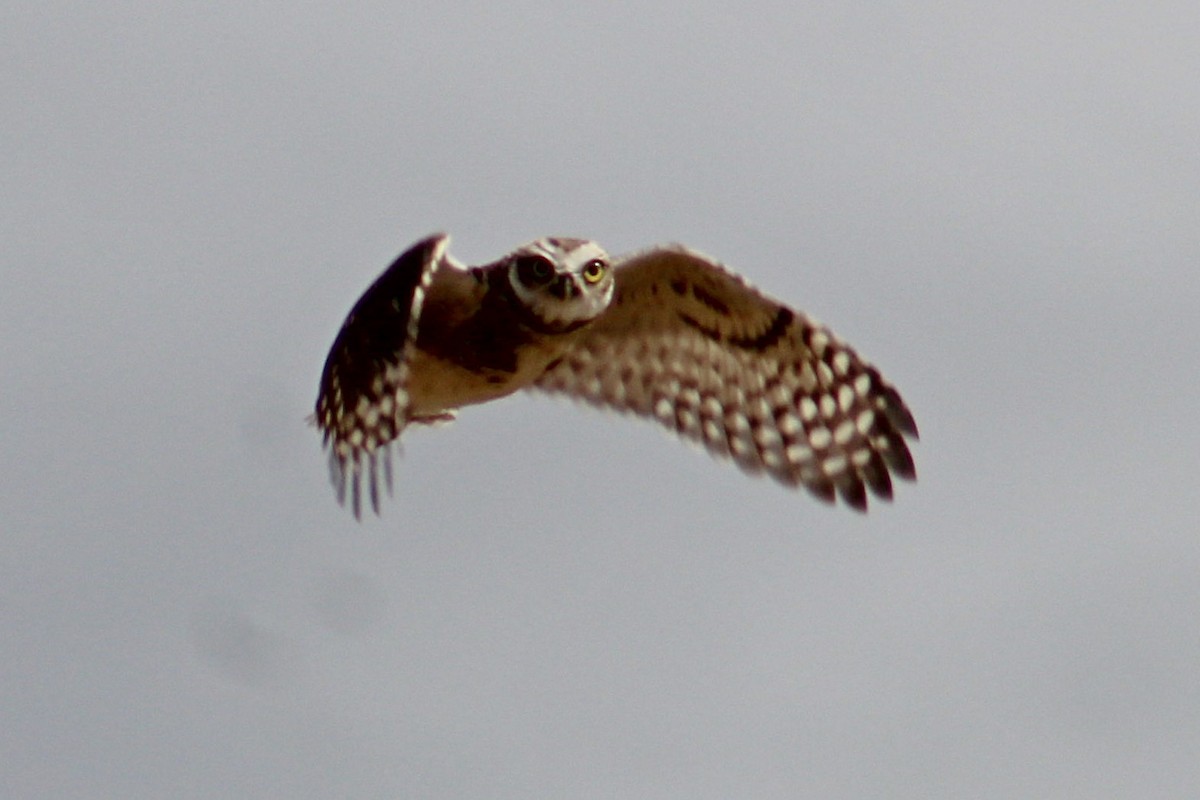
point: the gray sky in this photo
(996, 203)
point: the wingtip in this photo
(854, 494)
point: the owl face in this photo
(564, 283)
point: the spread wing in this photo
(363, 402)
(691, 345)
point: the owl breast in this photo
(438, 384)
(466, 356)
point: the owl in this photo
(665, 333)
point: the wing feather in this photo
(693, 346)
(363, 402)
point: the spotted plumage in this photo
(665, 333)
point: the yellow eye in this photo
(593, 271)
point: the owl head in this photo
(563, 283)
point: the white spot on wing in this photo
(845, 397)
(766, 438)
(820, 438)
(828, 406)
(835, 464)
(841, 362)
(819, 342)
(797, 453)
(844, 432)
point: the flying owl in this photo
(665, 333)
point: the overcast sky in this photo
(997, 203)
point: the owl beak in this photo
(564, 287)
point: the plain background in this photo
(999, 204)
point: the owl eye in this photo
(593, 271)
(534, 270)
